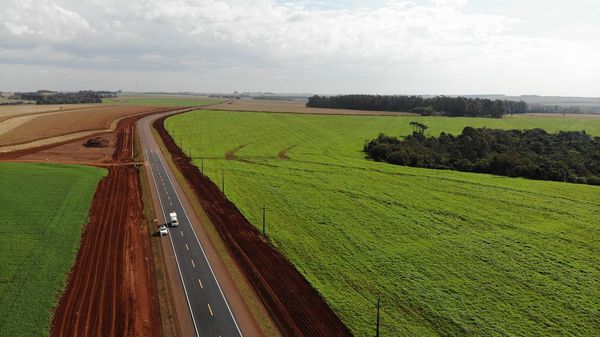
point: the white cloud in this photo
(42, 21)
(390, 46)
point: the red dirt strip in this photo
(293, 303)
(111, 290)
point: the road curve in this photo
(209, 309)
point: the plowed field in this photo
(10, 111)
(111, 289)
(54, 124)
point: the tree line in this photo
(45, 97)
(555, 109)
(569, 156)
(439, 105)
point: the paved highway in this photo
(210, 312)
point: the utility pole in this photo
(264, 218)
(378, 320)
(222, 181)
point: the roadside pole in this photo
(378, 306)
(223, 181)
(264, 220)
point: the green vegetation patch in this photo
(571, 156)
(43, 209)
(451, 253)
(162, 100)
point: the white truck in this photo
(174, 221)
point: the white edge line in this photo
(175, 254)
(201, 248)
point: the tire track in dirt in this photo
(283, 154)
(293, 303)
(230, 155)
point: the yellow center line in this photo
(193, 264)
(200, 283)
(209, 309)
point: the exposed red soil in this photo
(74, 151)
(294, 304)
(111, 290)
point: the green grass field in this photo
(162, 100)
(42, 210)
(451, 253)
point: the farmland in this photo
(43, 209)
(35, 127)
(10, 111)
(159, 100)
(450, 253)
(292, 107)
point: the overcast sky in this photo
(547, 47)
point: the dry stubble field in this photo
(53, 124)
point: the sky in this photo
(544, 47)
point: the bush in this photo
(594, 181)
(380, 152)
(398, 158)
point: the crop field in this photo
(43, 209)
(293, 107)
(162, 100)
(450, 253)
(29, 128)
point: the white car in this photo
(163, 230)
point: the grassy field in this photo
(451, 253)
(43, 208)
(162, 100)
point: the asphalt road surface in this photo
(210, 312)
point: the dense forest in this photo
(571, 156)
(439, 105)
(45, 97)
